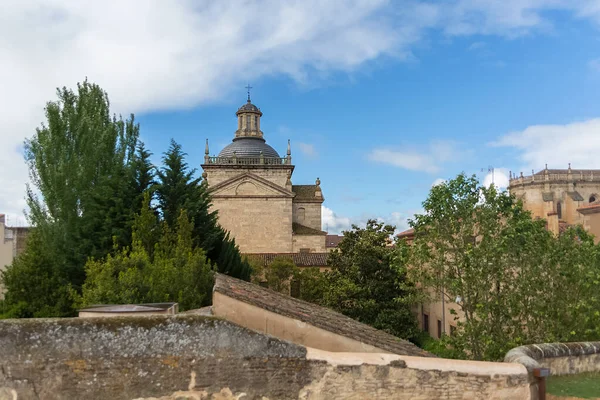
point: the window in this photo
(256, 122)
(439, 329)
(559, 209)
(426, 322)
(592, 198)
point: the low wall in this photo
(560, 358)
(198, 357)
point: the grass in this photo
(585, 385)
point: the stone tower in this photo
(251, 188)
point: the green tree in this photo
(516, 283)
(177, 271)
(368, 281)
(79, 162)
(178, 189)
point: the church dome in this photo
(248, 147)
(248, 107)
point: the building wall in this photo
(316, 243)
(259, 225)
(436, 311)
(591, 223)
(220, 174)
(312, 214)
(285, 328)
(532, 198)
(6, 249)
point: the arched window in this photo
(248, 122)
(592, 198)
(559, 209)
(256, 122)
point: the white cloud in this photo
(438, 181)
(306, 149)
(577, 143)
(476, 46)
(428, 160)
(499, 177)
(157, 55)
(335, 224)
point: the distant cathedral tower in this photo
(251, 188)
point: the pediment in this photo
(249, 185)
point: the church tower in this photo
(251, 188)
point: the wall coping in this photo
(531, 354)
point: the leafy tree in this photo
(368, 281)
(79, 161)
(177, 271)
(516, 282)
(178, 189)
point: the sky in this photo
(380, 99)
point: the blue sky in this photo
(380, 99)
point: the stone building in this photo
(252, 190)
(12, 243)
(562, 197)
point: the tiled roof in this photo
(333, 240)
(314, 315)
(305, 192)
(300, 259)
(575, 196)
(590, 208)
(407, 233)
(299, 229)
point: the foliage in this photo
(280, 273)
(177, 271)
(79, 161)
(178, 190)
(516, 283)
(368, 282)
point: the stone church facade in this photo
(563, 197)
(252, 190)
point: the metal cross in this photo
(248, 88)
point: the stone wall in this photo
(197, 357)
(312, 214)
(316, 243)
(219, 174)
(259, 225)
(561, 358)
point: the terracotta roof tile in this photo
(406, 233)
(333, 240)
(300, 259)
(314, 315)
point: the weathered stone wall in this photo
(561, 358)
(198, 357)
(216, 175)
(312, 214)
(533, 201)
(6, 250)
(259, 225)
(316, 243)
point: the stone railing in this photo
(560, 358)
(248, 160)
(576, 176)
